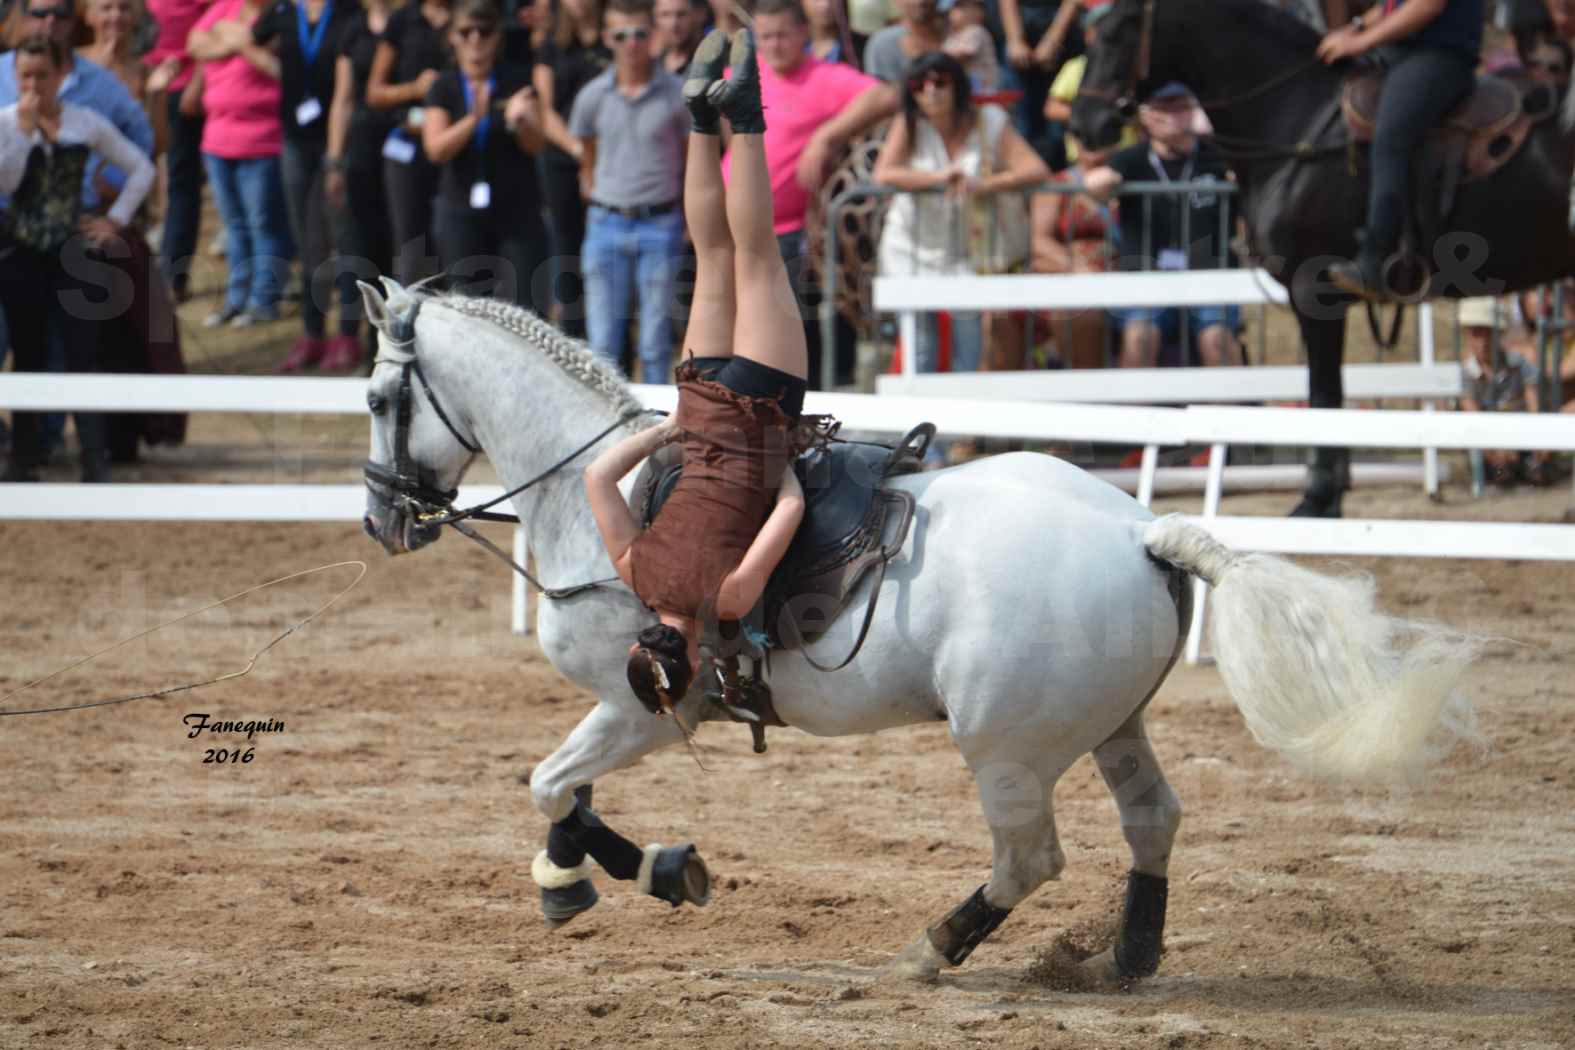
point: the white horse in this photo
(1034, 609)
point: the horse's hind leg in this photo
(1016, 800)
(1150, 816)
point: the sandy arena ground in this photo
(362, 882)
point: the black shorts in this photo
(744, 376)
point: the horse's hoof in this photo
(918, 962)
(675, 874)
(560, 904)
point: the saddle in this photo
(1491, 124)
(852, 525)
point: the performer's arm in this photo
(613, 519)
(745, 584)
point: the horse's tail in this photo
(1320, 674)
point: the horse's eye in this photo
(376, 403)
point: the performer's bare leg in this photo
(710, 332)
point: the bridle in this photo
(412, 489)
(1124, 97)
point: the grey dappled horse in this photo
(1034, 609)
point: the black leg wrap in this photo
(562, 848)
(619, 857)
(957, 935)
(561, 905)
(1142, 925)
(678, 875)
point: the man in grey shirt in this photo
(632, 122)
(891, 50)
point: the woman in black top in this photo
(572, 56)
(1431, 48)
(482, 128)
(409, 57)
(356, 133)
(305, 35)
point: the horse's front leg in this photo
(608, 739)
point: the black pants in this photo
(362, 238)
(1421, 87)
(1047, 137)
(495, 255)
(560, 187)
(409, 188)
(183, 216)
(302, 170)
(30, 284)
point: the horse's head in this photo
(1118, 66)
(419, 452)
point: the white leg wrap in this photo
(647, 862)
(551, 877)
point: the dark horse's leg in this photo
(1329, 469)
(674, 874)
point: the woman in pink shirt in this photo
(241, 140)
(172, 70)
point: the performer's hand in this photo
(98, 229)
(1345, 42)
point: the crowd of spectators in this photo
(533, 150)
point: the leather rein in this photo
(411, 488)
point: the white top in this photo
(78, 126)
(927, 234)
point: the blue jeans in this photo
(621, 258)
(250, 199)
(967, 342)
(1168, 320)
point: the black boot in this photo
(705, 69)
(1328, 476)
(738, 97)
(1362, 276)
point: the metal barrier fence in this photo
(1146, 192)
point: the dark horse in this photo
(1274, 109)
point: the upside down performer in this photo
(736, 507)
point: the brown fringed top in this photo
(735, 449)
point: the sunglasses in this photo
(1556, 68)
(63, 12)
(628, 33)
(474, 32)
(934, 80)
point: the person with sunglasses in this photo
(409, 57)
(964, 155)
(305, 35)
(734, 510)
(631, 124)
(483, 129)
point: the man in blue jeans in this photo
(633, 124)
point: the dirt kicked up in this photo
(361, 879)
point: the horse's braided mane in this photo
(571, 355)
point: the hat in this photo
(1478, 312)
(1174, 89)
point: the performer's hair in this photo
(659, 665)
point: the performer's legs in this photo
(710, 331)
(768, 328)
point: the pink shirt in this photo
(241, 102)
(796, 106)
(175, 19)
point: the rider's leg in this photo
(1417, 93)
(710, 331)
(768, 328)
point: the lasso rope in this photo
(169, 623)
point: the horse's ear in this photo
(391, 286)
(372, 299)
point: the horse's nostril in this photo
(369, 526)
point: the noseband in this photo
(408, 485)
